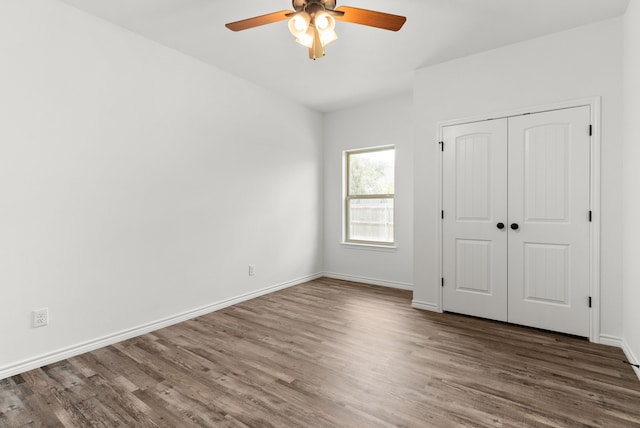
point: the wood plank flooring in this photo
(330, 353)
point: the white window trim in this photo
(346, 198)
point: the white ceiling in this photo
(364, 63)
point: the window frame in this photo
(348, 197)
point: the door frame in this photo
(594, 172)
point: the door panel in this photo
(474, 201)
(473, 177)
(473, 265)
(549, 200)
(546, 273)
(546, 161)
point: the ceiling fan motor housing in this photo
(299, 5)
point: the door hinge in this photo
(590, 130)
(442, 214)
(590, 216)
(589, 301)
(442, 282)
(441, 146)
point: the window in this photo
(369, 196)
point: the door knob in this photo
(500, 226)
(514, 226)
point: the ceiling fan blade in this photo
(257, 21)
(371, 18)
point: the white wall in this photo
(579, 63)
(631, 194)
(137, 183)
(384, 122)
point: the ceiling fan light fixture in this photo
(312, 29)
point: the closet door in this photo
(549, 220)
(475, 205)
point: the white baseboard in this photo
(91, 345)
(631, 357)
(370, 281)
(606, 339)
(425, 306)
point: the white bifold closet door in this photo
(516, 220)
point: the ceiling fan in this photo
(312, 22)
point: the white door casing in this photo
(533, 171)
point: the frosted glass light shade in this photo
(327, 37)
(306, 38)
(324, 22)
(299, 24)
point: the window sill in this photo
(369, 247)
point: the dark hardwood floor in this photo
(330, 353)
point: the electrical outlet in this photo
(40, 317)
(252, 270)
